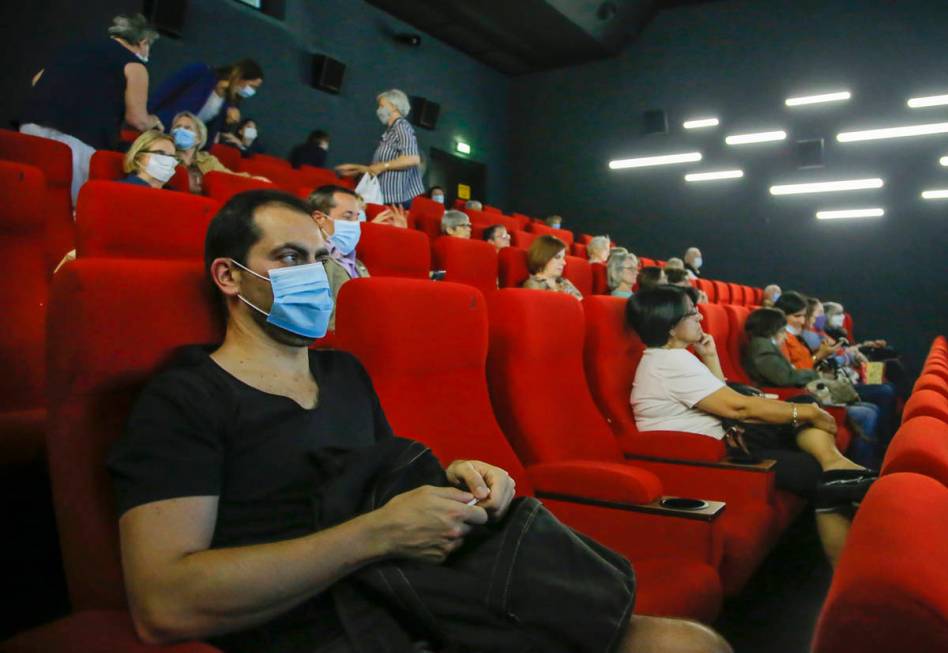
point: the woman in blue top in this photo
(397, 160)
(206, 92)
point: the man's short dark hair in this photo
(492, 230)
(323, 198)
(233, 231)
(649, 277)
(654, 312)
(765, 323)
(791, 302)
(675, 275)
(317, 135)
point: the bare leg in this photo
(822, 445)
(833, 529)
(663, 635)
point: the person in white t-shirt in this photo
(675, 390)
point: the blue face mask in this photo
(438, 198)
(302, 299)
(362, 216)
(346, 235)
(184, 139)
(819, 323)
(246, 92)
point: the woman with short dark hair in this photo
(677, 391)
(546, 260)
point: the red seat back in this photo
(579, 250)
(428, 223)
(848, 325)
(580, 274)
(730, 353)
(488, 218)
(227, 154)
(271, 160)
(599, 278)
(471, 262)
(221, 186)
(55, 160)
(389, 251)
(116, 220)
(920, 446)
(563, 234)
(522, 239)
(125, 318)
(926, 402)
(313, 177)
(714, 321)
(737, 293)
(281, 174)
(538, 386)
(708, 288)
(723, 292)
(512, 267)
(428, 364)
(22, 320)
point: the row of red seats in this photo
(890, 590)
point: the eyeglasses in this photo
(691, 313)
(155, 152)
(503, 236)
(466, 225)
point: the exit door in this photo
(450, 172)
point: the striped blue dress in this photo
(399, 185)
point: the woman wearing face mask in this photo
(397, 159)
(245, 138)
(436, 193)
(85, 91)
(207, 92)
(151, 160)
(795, 348)
(190, 135)
(546, 260)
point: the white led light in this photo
(698, 123)
(662, 160)
(943, 160)
(930, 101)
(893, 132)
(850, 213)
(711, 176)
(826, 186)
(817, 99)
(935, 194)
(759, 137)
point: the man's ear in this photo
(226, 276)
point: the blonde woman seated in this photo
(546, 260)
(622, 272)
(674, 263)
(151, 160)
(598, 249)
(190, 135)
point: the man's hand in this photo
(491, 486)
(428, 523)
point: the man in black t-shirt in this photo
(216, 474)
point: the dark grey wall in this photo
(473, 97)
(739, 59)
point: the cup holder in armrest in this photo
(682, 503)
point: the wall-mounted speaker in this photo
(327, 73)
(424, 112)
(809, 153)
(167, 16)
(654, 121)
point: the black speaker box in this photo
(809, 153)
(424, 112)
(327, 73)
(654, 121)
(167, 16)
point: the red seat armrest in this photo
(593, 479)
(675, 445)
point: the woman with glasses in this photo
(150, 161)
(498, 236)
(675, 390)
(622, 272)
(456, 224)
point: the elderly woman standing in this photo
(622, 272)
(397, 160)
(83, 94)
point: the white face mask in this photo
(250, 134)
(161, 166)
(697, 263)
(835, 320)
(142, 57)
(323, 146)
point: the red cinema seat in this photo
(920, 446)
(428, 367)
(563, 234)
(55, 160)
(283, 175)
(109, 165)
(124, 221)
(23, 346)
(579, 250)
(125, 319)
(578, 271)
(722, 292)
(599, 278)
(428, 223)
(512, 267)
(848, 325)
(890, 588)
(227, 154)
(522, 220)
(271, 160)
(487, 218)
(221, 186)
(389, 251)
(522, 239)
(708, 288)
(926, 402)
(492, 209)
(471, 262)
(758, 296)
(313, 177)
(737, 293)
(730, 352)
(932, 381)
(424, 206)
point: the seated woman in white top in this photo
(675, 390)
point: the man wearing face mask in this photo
(693, 262)
(313, 152)
(337, 213)
(771, 295)
(83, 94)
(436, 193)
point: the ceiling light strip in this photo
(850, 213)
(893, 132)
(712, 176)
(758, 137)
(929, 101)
(699, 123)
(826, 186)
(661, 160)
(935, 194)
(838, 96)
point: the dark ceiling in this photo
(524, 36)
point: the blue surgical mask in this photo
(362, 216)
(246, 91)
(819, 323)
(438, 198)
(184, 139)
(302, 299)
(792, 330)
(384, 114)
(345, 235)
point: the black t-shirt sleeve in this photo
(172, 446)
